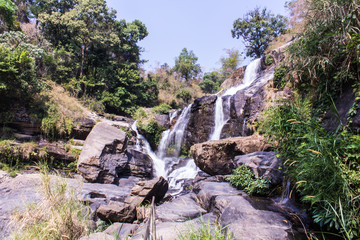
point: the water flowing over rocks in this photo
(217, 156)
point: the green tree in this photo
(186, 65)
(7, 13)
(211, 82)
(231, 62)
(257, 28)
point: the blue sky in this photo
(203, 26)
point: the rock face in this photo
(201, 120)
(217, 157)
(235, 78)
(263, 164)
(83, 128)
(105, 157)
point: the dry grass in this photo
(66, 105)
(60, 214)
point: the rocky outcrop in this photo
(103, 152)
(116, 212)
(139, 164)
(235, 78)
(217, 157)
(83, 128)
(263, 164)
(201, 120)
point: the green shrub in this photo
(162, 109)
(243, 178)
(269, 60)
(56, 125)
(323, 167)
(280, 76)
(184, 94)
(152, 132)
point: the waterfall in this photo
(167, 156)
(158, 164)
(220, 119)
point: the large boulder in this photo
(217, 157)
(116, 212)
(103, 151)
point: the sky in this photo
(203, 26)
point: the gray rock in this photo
(98, 236)
(144, 191)
(207, 191)
(140, 164)
(247, 223)
(263, 164)
(172, 230)
(103, 152)
(121, 230)
(217, 157)
(181, 209)
(116, 212)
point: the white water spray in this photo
(250, 76)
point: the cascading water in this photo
(250, 76)
(166, 161)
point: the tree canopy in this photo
(258, 28)
(186, 65)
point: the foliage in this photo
(162, 109)
(206, 232)
(257, 28)
(152, 131)
(186, 65)
(59, 215)
(280, 74)
(269, 60)
(184, 94)
(211, 82)
(230, 63)
(14, 157)
(7, 12)
(325, 56)
(243, 178)
(323, 166)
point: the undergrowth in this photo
(324, 167)
(243, 178)
(59, 215)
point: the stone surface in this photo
(235, 78)
(103, 151)
(263, 164)
(18, 192)
(172, 230)
(139, 164)
(116, 212)
(144, 191)
(217, 157)
(201, 120)
(98, 236)
(207, 191)
(248, 223)
(180, 209)
(121, 230)
(83, 128)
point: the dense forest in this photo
(80, 47)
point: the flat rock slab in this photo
(248, 223)
(99, 236)
(172, 230)
(121, 230)
(180, 209)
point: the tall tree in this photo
(257, 28)
(7, 12)
(186, 65)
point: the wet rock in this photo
(144, 191)
(140, 164)
(263, 164)
(162, 120)
(217, 157)
(245, 222)
(201, 120)
(116, 212)
(181, 209)
(103, 152)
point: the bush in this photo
(185, 95)
(323, 167)
(244, 179)
(162, 109)
(152, 132)
(269, 60)
(56, 125)
(280, 76)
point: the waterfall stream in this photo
(250, 75)
(167, 161)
